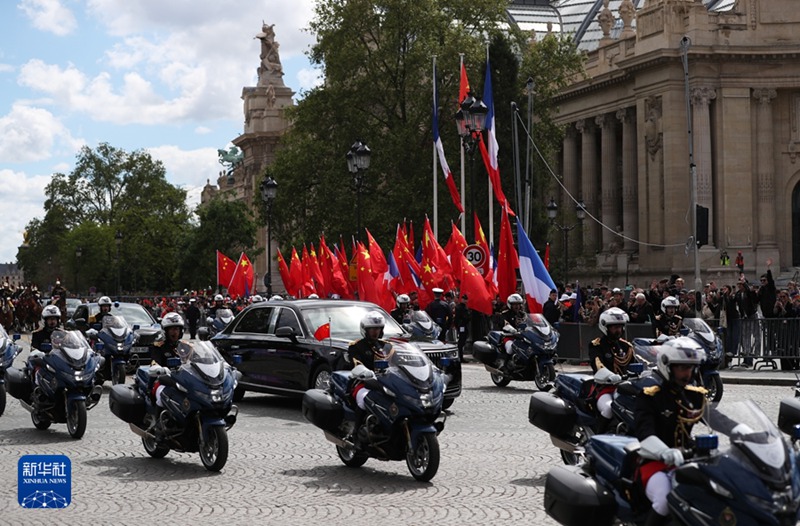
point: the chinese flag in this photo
(323, 331)
(225, 269)
(344, 269)
(332, 270)
(474, 286)
(455, 247)
(507, 261)
(366, 282)
(308, 277)
(323, 286)
(296, 274)
(243, 278)
(377, 259)
(285, 275)
(405, 263)
(480, 239)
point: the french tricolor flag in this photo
(535, 278)
(448, 176)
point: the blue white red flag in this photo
(437, 141)
(535, 278)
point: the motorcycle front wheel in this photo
(214, 452)
(350, 457)
(2, 399)
(76, 418)
(714, 388)
(423, 460)
(118, 374)
(544, 376)
(499, 380)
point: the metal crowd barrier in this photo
(760, 342)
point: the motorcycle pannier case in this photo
(552, 414)
(573, 498)
(127, 404)
(18, 384)
(789, 415)
(484, 352)
(322, 410)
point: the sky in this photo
(163, 76)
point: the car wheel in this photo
(321, 377)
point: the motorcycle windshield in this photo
(700, 329)
(747, 435)
(225, 316)
(116, 326)
(71, 346)
(201, 359)
(412, 363)
(4, 339)
(539, 331)
(422, 326)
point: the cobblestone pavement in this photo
(281, 470)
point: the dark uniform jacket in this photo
(550, 311)
(41, 336)
(365, 352)
(614, 355)
(669, 412)
(462, 315)
(161, 351)
(439, 311)
(671, 326)
(400, 315)
(514, 318)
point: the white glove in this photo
(36, 353)
(509, 329)
(672, 457)
(605, 376)
(158, 370)
(361, 372)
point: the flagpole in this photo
(435, 182)
(217, 271)
(463, 172)
(491, 189)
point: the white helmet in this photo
(257, 299)
(612, 316)
(514, 299)
(371, 320)
(276, 297)
(172, 319)
(105, 300)
(51, 311)
(682, 350)
(219, 297)
(403, 299)
(669, 301)
(313, 296)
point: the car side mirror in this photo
(285, 332)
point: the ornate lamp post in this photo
(470, 121)
(269, 189)
(358, 158)
(77, 263)
(552, 212)
(118, 241)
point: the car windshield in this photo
(132, 313)
(346, 320)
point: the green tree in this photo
(224, 225)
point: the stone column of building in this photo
(570, 167)
(766, 166)
(591, 229)
(701, 98)
(609, 205)
(630, 189)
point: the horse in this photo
(28, 311)
(7, 314)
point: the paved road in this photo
(282, 471)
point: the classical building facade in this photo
(264, 123)
(626, 151)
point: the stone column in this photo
(591, 229)
(570, 166)
(701, 98)
(630, 187)
(765, 166)
(609, 205)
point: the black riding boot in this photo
(655, 519)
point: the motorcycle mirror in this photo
(116, 304)
(381, 365)
(796, 433)
(237, 359)
(97, 326)
(172, 363)
(71, 325)
(445, 362)
(16, 336)
(46, 347)
(706, 442)
(684, 331)
(99, 346)
(136, 327)
(635, 368)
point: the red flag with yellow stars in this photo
(473, 285)
(366, 282)
(454, 248)
(286, 277)
(377, 259)
(243, 278)
(296, 274)
(507, 261)
(225, 269)
(323, 287)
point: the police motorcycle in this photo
(197, 407)
(114, 340)
(62, 389)
(216, 324)
(10, 350)
(532, 352)
(745, 473)
(403, 414)
(421, 327)
(697, 329)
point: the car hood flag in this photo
(535, 277)
(437, 141)
(225, 269)
(323, 331)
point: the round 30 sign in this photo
(477, 255)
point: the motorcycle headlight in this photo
(216, 395)
(389, 392)
(719, 489)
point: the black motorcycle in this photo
(532, 352)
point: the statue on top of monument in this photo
(270, 59)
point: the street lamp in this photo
(118, 240)
(552, 211)
(358, 157)
(269, 189)
(77, 262)
(470, 121)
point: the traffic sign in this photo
(477, 255)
